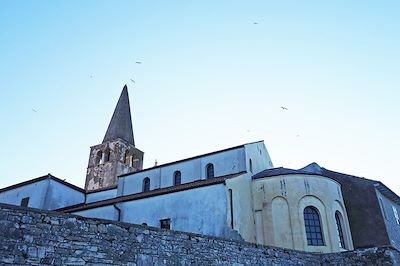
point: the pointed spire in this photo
(121, 123)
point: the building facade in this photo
(234, 193)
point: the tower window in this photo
(210, 171)
(25, 202)
(165, 223)
(339, 229)
(126, 157)
(146, 184)
(251, 166)
(98, 157)
(177, 178)
(107, 156)
(313, 227)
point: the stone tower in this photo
(117, 154)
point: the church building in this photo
(234, 193)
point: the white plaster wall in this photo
(107, 212)
(101, 195)
(299, 191)
(35, 191)
(59, 196)
(259, 156)
(200, 210)
(227, 162)
(46, 194)
(243, 216)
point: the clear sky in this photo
(213, 74)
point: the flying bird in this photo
(138, 62)
(255, 23)
(91, 76)
(132, 80)
(34, 110)
(283, 108)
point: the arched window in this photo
(313, 227)
(107, 155)
(210, 171)
(251, 166)
(126, 157)
(146, 184)
(339, 229)
(99, 154)
(177, 178)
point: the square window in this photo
(165, 223)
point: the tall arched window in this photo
(313, 227)
(126, 157)
(99, 155)
(146, 184)
(339, 229)
(210, 171)
(107, 155)
(177, 178)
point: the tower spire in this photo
(121, 123)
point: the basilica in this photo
(234, 193)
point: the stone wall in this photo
(33, 237)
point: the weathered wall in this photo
(225, 163)
(33, 237)
(282, 200)
(46, 194)
(199, 210)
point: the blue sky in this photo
(213, 74)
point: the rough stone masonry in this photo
(37, 237)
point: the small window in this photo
(396, 215)
(25, 202)
(210, 171)
(165, 223)
(251, 166)
(177, 178)
(339, 229)
(313, 227)
(146, 184)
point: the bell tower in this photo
(117, 153)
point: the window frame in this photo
(313, 226)
(210, 173)
(339, 230)
(165, 223)
(177, 177)
(146, 184)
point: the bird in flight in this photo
(283, 108)
(34, 110)
(91, 76)
(132, 80)
(138, 62)
(255, 23)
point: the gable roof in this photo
(191, 158)
(41, 178)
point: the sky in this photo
(212, 75)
